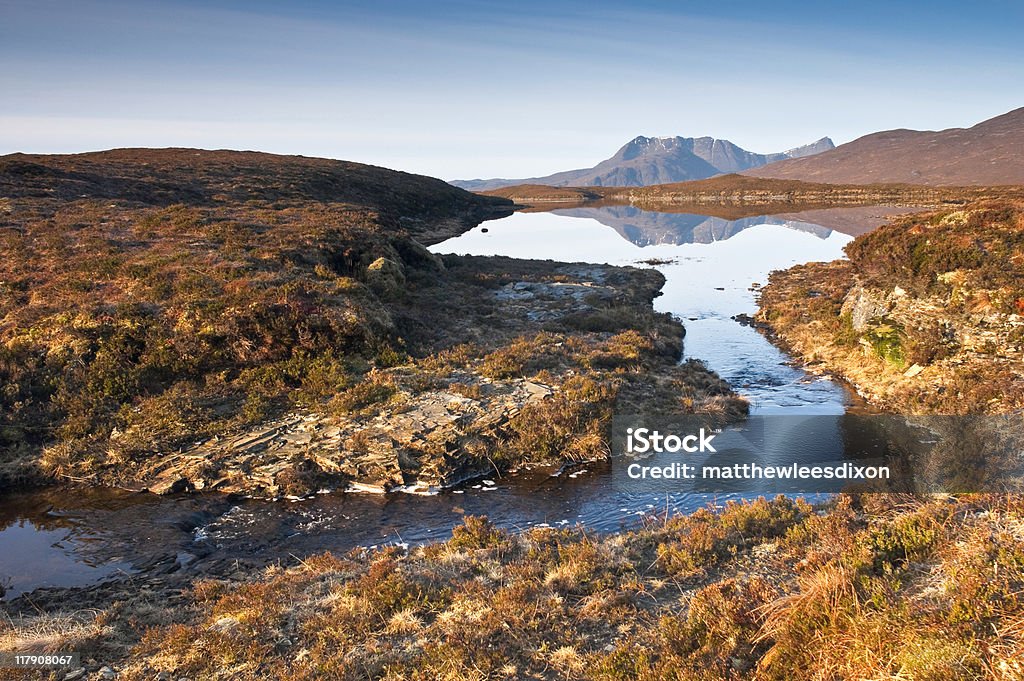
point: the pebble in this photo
(75, 674)
(107, 673)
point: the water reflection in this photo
(41, 546)
(646, 228)
(707, 285)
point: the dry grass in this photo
(873, 587)
(947, 290)
(51, 633)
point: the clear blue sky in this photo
(471, 89)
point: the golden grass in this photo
(779, 590)
(50, 633)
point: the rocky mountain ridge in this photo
(659, 160)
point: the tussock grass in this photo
(870, 587)
(44, 633)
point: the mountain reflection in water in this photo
(647, 228)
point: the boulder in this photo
(863, 305)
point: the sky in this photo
(467, 89)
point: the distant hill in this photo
(163, 177)
(658, 160)
(990, 153)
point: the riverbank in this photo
(873, 586)
(924, 318)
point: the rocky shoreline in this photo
(924, 318)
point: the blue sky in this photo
(471, 89)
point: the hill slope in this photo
(153, 295)
(165, 177)
(989, 153)
(658, 160)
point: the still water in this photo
(712, 268)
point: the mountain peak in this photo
(659, 160)
(816, 147)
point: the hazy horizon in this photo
(468, 89)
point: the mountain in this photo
(658, 160)
(990, 153)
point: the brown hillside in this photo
(196, 177)
(991, 152)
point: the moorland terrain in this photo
(991, 152)
(177, 319)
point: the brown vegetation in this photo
(166, 177)
(872, 587)
(156, 301)
(130, 325)
(736, 196)
(541, 193)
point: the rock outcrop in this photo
(420, 448)
(551, 346)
